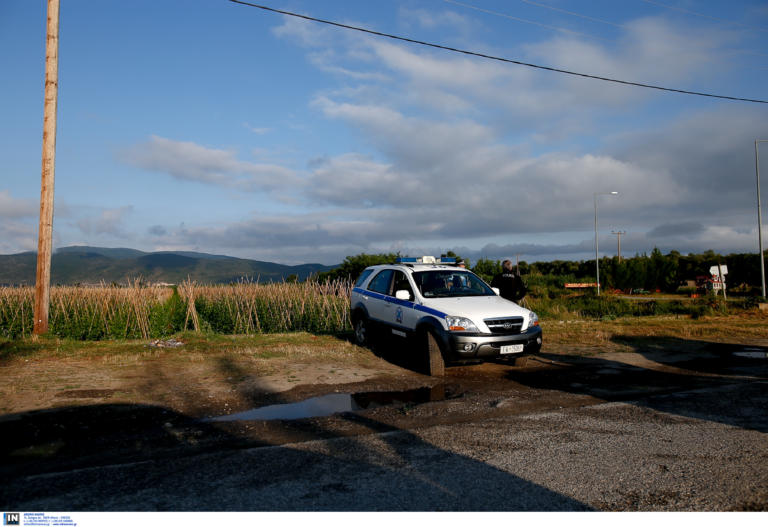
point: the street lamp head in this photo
(614, 192)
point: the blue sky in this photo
(210, 126)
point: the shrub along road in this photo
(626, 420)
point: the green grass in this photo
(263, 346)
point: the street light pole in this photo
(597, 258)
(618, 242)
(760, 216)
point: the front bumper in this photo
(481, 346)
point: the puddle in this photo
(609, 371)
(335, 403)
(752, 354)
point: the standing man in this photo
(510, 285)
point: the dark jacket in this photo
(510, 286)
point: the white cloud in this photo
(435, 19)
(17, 236)
(188, 161)
(11, 207)
(109, 222)
(256, 130)
(461, 151)
(306, 33)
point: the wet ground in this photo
(54, 442)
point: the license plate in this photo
(513, 348)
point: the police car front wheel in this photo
(434, 356)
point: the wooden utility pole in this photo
(44, 243)
(618, 236)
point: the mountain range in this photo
(92, 265)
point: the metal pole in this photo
(44, 244)
(618, 242)
(760, 217)
(597, 261)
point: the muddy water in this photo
(335, 403)
(488, 383)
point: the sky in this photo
(210, 126)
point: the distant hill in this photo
(89, 265)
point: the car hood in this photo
(477, 307)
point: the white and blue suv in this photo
(449, 311)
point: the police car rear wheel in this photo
(435, 362)
(361, 331)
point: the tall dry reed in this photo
(84, 313)
(249, 307)
(139, 311)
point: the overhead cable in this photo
(491, 57)
(694, 13)
(585, 17)
(537, 4)
(517, 19)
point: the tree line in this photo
(652, 272)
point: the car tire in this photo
(362, 331)
(435, 366)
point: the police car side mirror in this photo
(402, 294)
(496, 290)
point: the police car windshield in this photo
(449, 283)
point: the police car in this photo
(449, 311)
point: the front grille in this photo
(505, 326)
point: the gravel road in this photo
(695, 446)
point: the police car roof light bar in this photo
(425, 260)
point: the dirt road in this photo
(671, 427)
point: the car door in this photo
(403, 315)
(378, 301)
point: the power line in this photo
(517, 19)
(585, 17)
(557, 9)
(694, 13)
(491, 57)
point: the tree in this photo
(487, 269)
(352, 266)
(451, 254)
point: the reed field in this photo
(142, 312)
(138, 311)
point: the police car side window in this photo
(380, 282)
(402, 284)
(363, 276)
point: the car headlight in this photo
(533, 320)
(460, 324)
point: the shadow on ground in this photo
(130, 457)
(665, 375)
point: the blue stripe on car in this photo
(407, 303)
